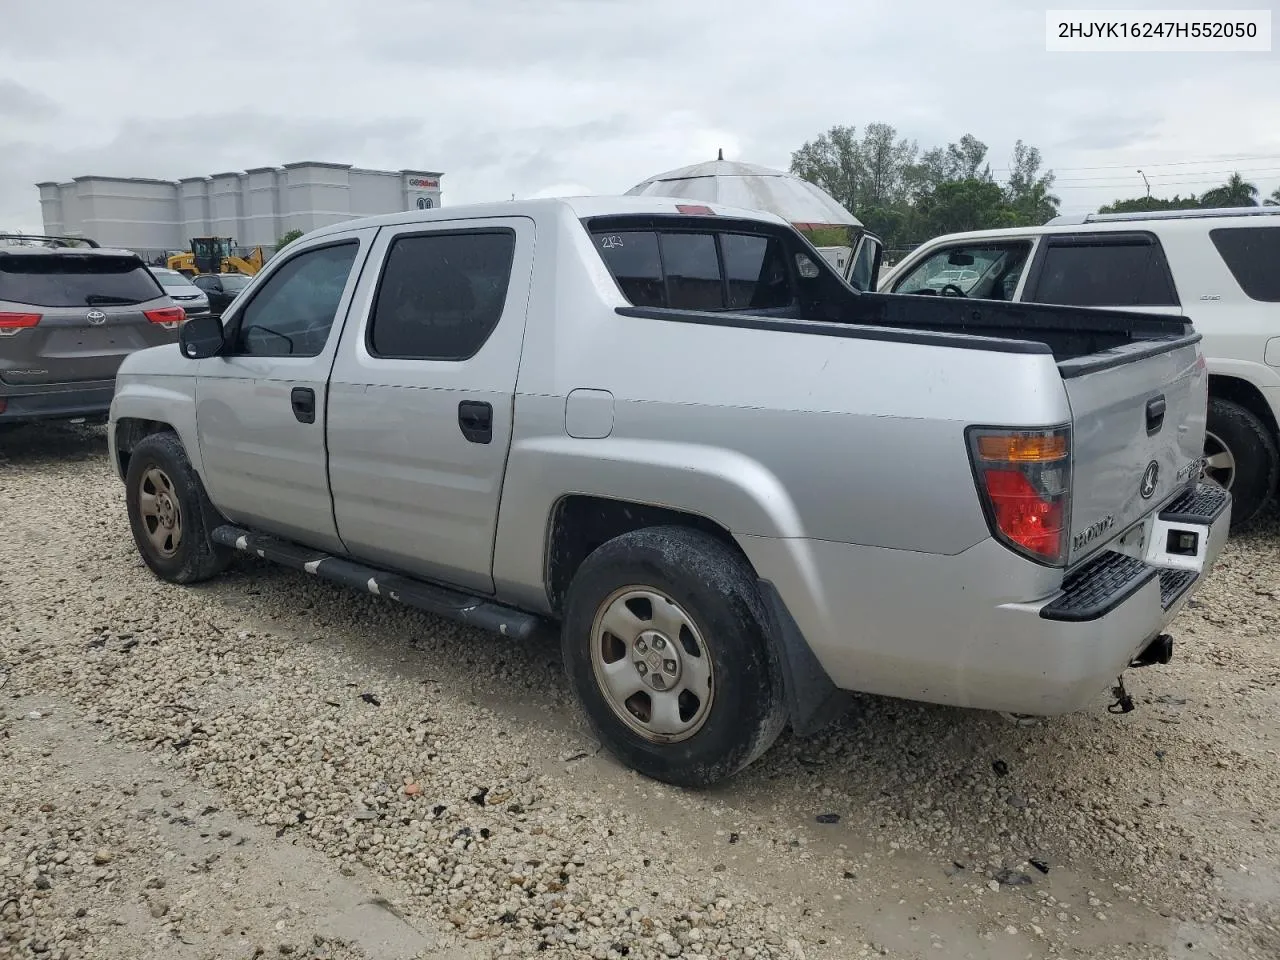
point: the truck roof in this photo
(578, 207)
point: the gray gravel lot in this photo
(268, 765)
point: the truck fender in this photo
(167, 402)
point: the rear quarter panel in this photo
(768, 433)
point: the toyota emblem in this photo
(1149, 477)
(96, 317)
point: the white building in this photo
(255, 207)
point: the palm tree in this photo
(1236, 192)
(1274, 199)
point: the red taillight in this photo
(18, 321)
(1024, 480)
(166, 315)
(695, 208)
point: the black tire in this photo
(194, 557)
(1257, 462)
(716, 589)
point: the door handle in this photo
(304, 404)
(1155, 414)
(476, 420)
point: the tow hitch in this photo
(1159, 650)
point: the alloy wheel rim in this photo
(161, 513)
(1219, 461)
(652, 664)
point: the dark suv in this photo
(70, 311)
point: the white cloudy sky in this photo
(569, 96)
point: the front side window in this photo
(292, 313)
(1252, 254)
(1105, 273)
(985, 271)
(441, 294)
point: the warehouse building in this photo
(255, 208)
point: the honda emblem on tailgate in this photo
(1149, 477)
(96, 317)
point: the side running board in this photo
(442, 601)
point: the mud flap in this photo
(813, 700)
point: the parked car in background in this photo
(221, 288)
(740, 484)
(70, 311)
(1219, 267)
(184, 293)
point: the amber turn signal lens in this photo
(1023, 448)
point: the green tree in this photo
(973, 204)
(287, 238)
(907, 196)
(1027, 191)
(1236, 192)
(967, 160)
(886, 158)
(834, 162)
(1274, 199)
(1141, 204)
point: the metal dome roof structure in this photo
(752, 186)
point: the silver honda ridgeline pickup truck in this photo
(741, 486)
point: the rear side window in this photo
(756, 270)
(692, 270)
(98, 280)
(687, 270)
(1107, 273)
(633, 259)
(441, 294)
(1252, 254)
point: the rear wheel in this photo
(1241, 456)
(665, 644)
(170, 513)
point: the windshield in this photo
(172, 280)
(76, 281)
(234, 282)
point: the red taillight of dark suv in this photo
(11, 323)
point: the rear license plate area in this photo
(1172, 545)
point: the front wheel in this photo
(1241, 456)
(666, 646)
(170, 513)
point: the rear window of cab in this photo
(697, 269)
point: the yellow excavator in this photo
(215, 255)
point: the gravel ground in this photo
(267, 765)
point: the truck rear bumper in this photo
(56, 401)
(956, 629)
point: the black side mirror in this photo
(201, 337)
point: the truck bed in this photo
(1070, 332)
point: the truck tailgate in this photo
(1138, 422)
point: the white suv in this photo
(1219, 267)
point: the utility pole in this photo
(1148, 183)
